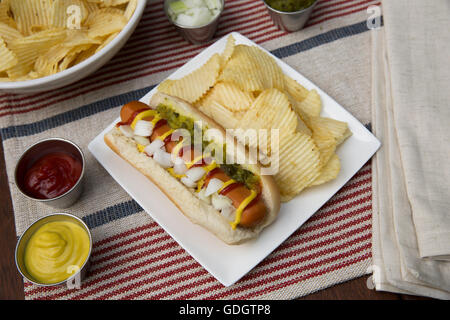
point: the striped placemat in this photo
(133, 258)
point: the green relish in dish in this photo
(289, 5)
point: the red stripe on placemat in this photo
(298, 239)
(291, 244)
(320, 216)
(311, 275)
(346, 13)
(210, 278)
(150, 251)
(99, 87)
(151, 18)
(263, 275)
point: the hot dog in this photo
(231, 200)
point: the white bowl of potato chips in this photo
(48, 44)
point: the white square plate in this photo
(229, 263)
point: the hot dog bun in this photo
(197, 210)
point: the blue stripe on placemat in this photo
(72, 115)
(102, 105)
(321, 39)
(112, 213)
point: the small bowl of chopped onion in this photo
(195, 20)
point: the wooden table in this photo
(11, 284)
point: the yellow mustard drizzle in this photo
(165, 135)
(179, 176)
(226, 184)
(55, 250)
(156, 119)
(241, 209)
(140, 147)
(207, 169)
(197, 159)
(177, 148)
(142, 115)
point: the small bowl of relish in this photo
(51, 171)
(290, 15)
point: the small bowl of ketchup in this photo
(51, 171)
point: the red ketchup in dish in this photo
(52, 175)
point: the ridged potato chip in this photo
(230, 96)
(325, 141)
(193, 86)
(83, 55)
(301, 125)
(48, 63)
(31, 15)
(69, 59)
(68, 13)
(299, 164)
(28, 49)
(219, 113)
(228, 52)
(251, 69)
(5, 14)
(9, 59)
(104, 22)
(76, 38)
(131, 7)
(328, 134)
(270, 110)
(338, 129)
(311, 105)
(329, 172)
(48, 36)
(106, 41)
(251, 92)
(295, 89)
(9, 33)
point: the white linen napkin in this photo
(410, 96)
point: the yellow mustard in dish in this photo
(55, 250)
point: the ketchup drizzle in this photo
(130, 121)
(230, 187)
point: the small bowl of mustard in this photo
(290, 15)
(55, 250)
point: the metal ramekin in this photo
(41, 148)
(195, 35)
(25, 237)
(290, 21)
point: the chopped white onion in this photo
(195, 173)
(194, 12)
(179, 166)
(152, 147)
(143, 128)
(219, 202)
(188, 182)
(213, 186)
(201, 195)
(126, 130)
(142, 140)
(228, 213)
(163, 158)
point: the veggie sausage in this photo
(131, 109)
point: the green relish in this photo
(289, 5)
(234, 171)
